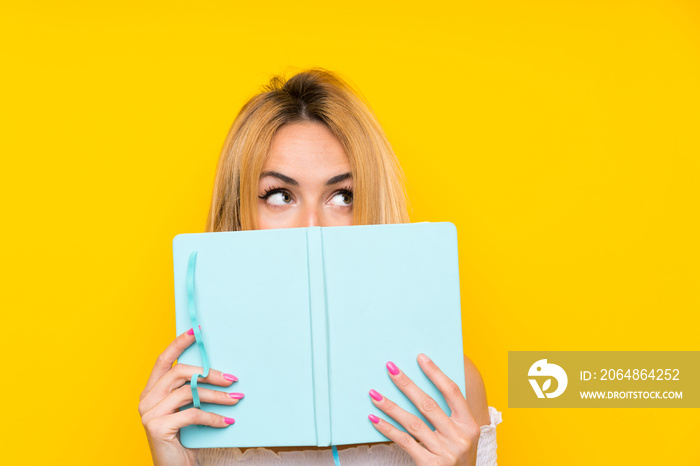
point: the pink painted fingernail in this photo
(231, 378)
(392, 368)
(373, 418)
(375, 394)
(229, 420)
(237, 396)
(191, 331)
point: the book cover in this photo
(307, 318)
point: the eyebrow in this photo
(293, 182)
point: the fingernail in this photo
(229, 420)
(237, 396)
(191, 331)
(423, 357)
(392, 368)
(230, 377)
(373, 418)
(375, 394)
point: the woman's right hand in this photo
(166, 391)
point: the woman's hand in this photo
(166, 392)
(456, 437)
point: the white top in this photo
(379, 454)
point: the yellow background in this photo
(560, 137)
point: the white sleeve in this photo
(486, 450)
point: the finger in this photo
(183, 396)
(425, 404)
(168, 427)
(412, 423)
(450, 390)
(176, 377)
(419, 454)
(166, 359)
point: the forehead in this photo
(307, 150)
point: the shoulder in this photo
(476, 393)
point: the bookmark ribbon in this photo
(336, 460)
(195, 326)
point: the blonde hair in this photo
(379, 194)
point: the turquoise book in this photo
(307, 319)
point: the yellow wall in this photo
(560, 137)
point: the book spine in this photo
(319, 335)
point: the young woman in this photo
(309, 152)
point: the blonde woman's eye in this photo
(277, 197)
(342, 198)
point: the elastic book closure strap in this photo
(197, 333)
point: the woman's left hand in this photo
(455, 438)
